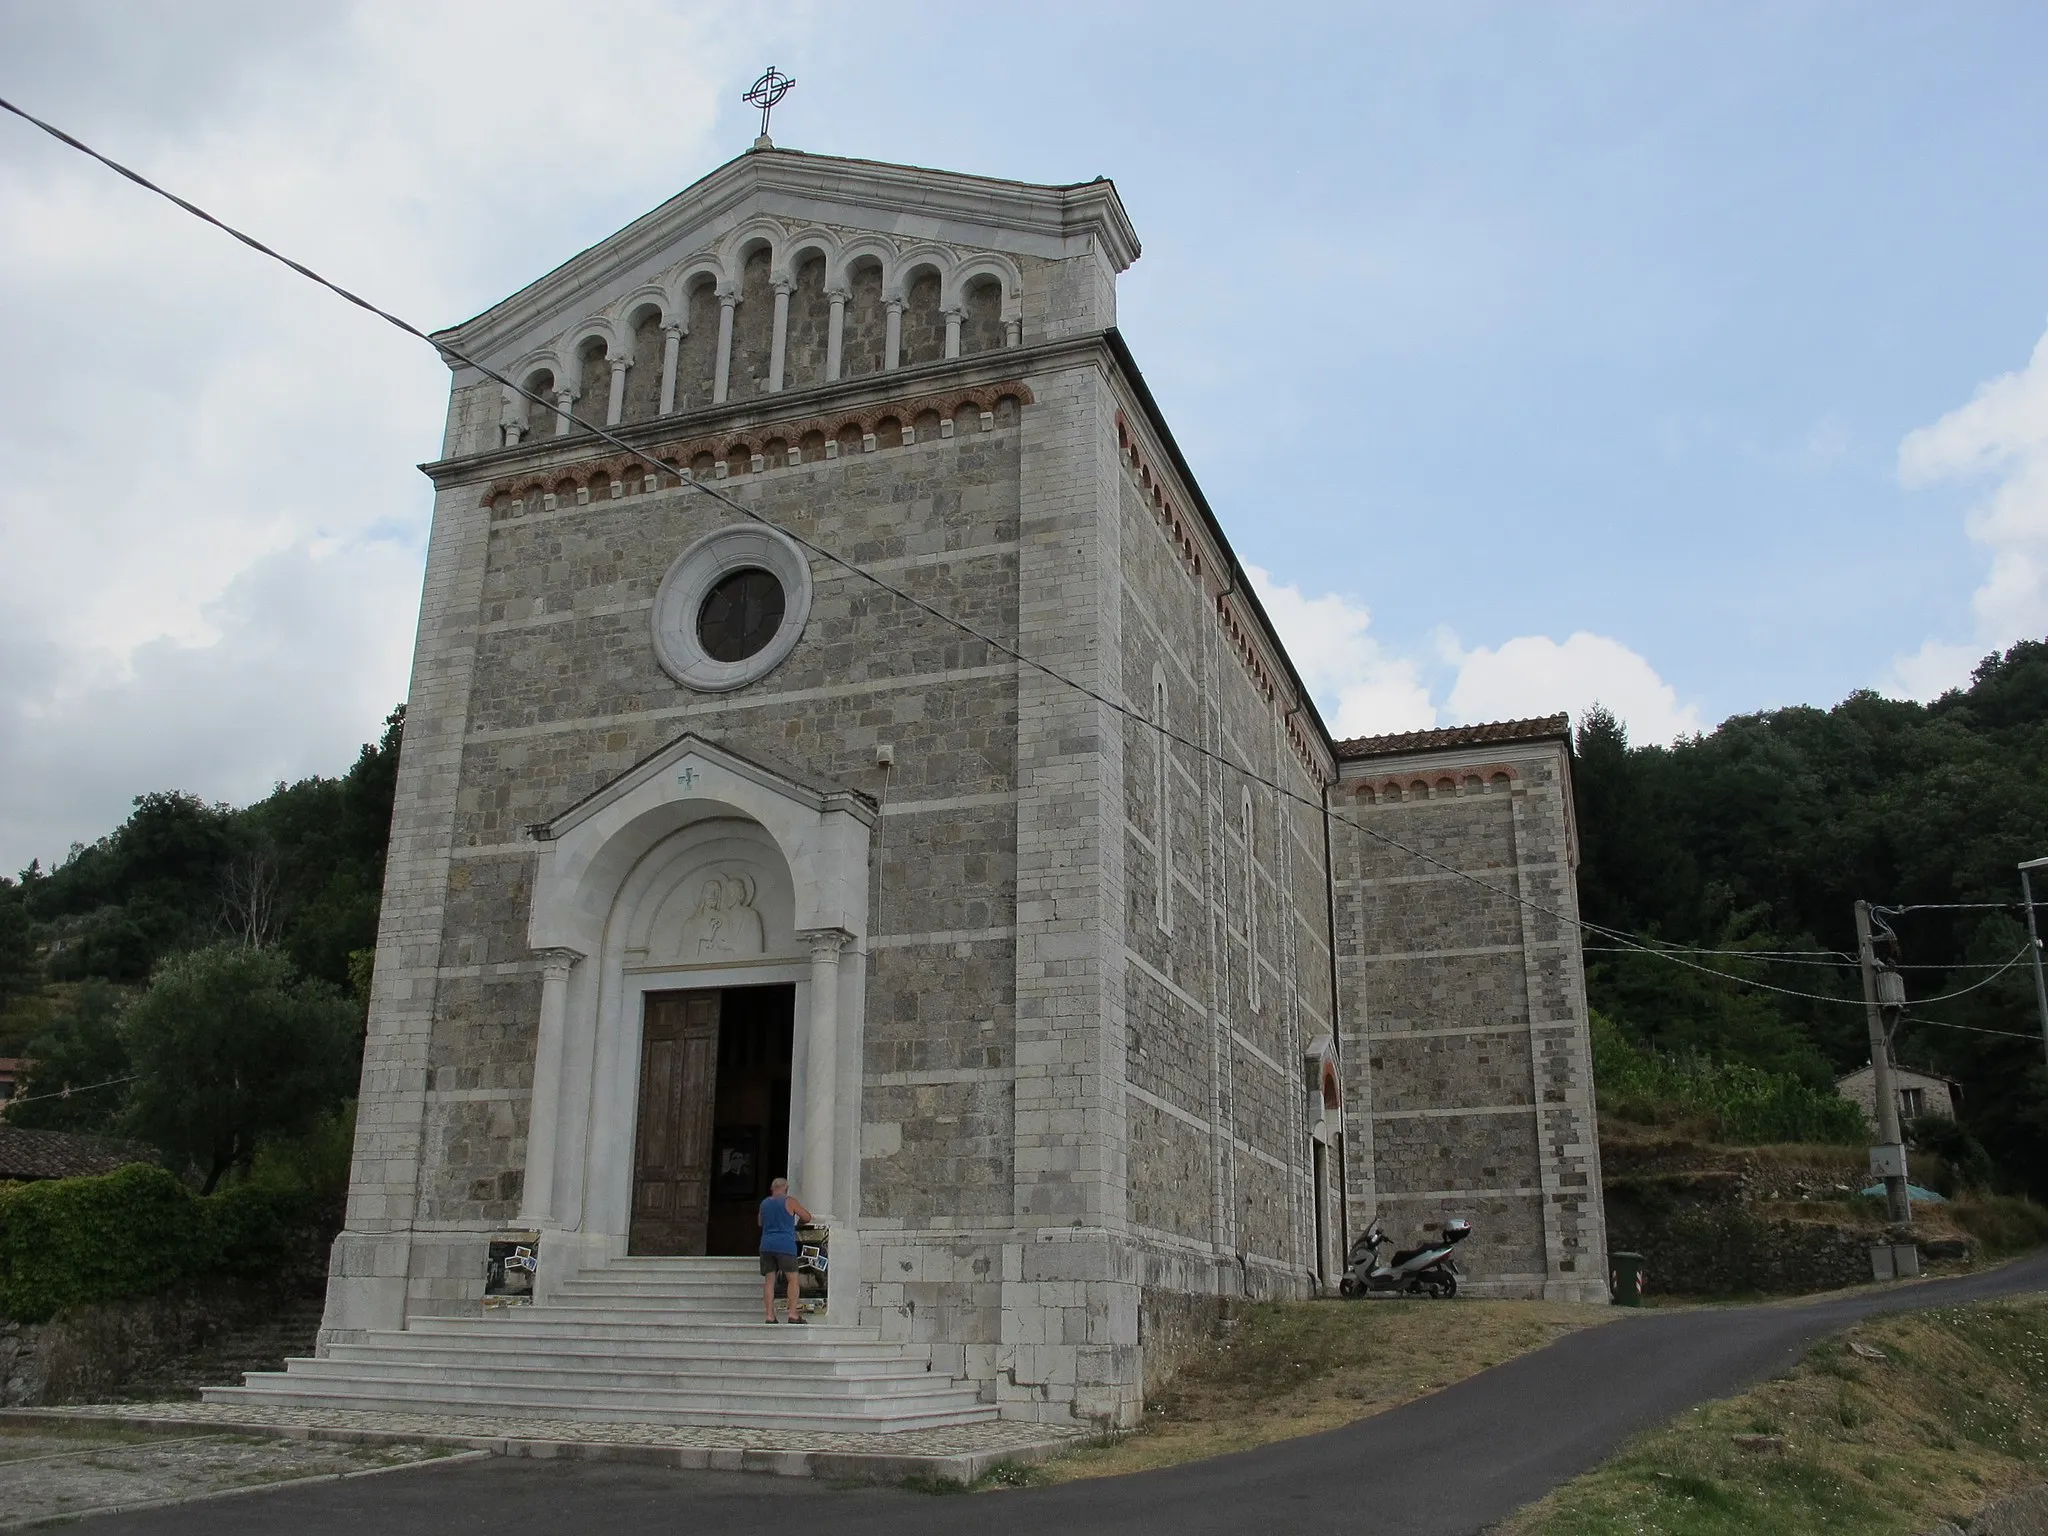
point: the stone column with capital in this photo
(1013, 331)
(778, 340)
(671, 354)
(565, 401)
(537, 1203)
(722, 377)
(953, 319)
(820, 1175)
(821, 1071)
(835, 335)
(615, 407)
(892, 343)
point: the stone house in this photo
(897, 783)
(1919, 1093)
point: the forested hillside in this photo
(1761, 835)
(1756, 837)
(196, 978)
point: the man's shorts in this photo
(778, 1263)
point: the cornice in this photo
(833, 190)
(758, 411)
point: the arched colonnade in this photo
(770, 309)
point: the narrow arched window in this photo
(1162, 801)
(1249, 831)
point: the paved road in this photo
(1446, 1465)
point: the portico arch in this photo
(696, 869)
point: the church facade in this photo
(1070, 969)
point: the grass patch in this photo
(1282, 1369)
(1887, 1430)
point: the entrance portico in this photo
(697, 871)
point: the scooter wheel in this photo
(1444, 1287)
(1347, 1287)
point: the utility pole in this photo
(2034, 936)
(1882, 991)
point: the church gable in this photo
(783, 272)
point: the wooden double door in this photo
(713, 1122)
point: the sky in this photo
(1689, 359)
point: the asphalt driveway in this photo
(1446, 1465)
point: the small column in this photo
(778, 340)
(835, 335)
(892, 341)
(537, 1204)
(565, 401)
(671, 353)
(615, 408)
(821, 1072)
(511, 421)
(1013, 331)
(723, 374)
(953, 318)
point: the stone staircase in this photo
(662, 1341)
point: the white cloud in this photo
(1364, 689)
(225, 718)
(1361, 690)
(185, 423)
(1535, 675)
(2000, 436)
(1931, 671)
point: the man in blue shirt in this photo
(780, 1213)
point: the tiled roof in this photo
(1542, 728)
(26, 1154)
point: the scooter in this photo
(1426, 1271)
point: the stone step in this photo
(566, 1381)
(843, 1358)
(623, 1323)
(937, 1412)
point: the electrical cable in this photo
(663, 469)
(65, 1093)
(1975, 1029)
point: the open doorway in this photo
(713, 1125)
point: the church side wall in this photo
(1467, 1054)
(1226, 944)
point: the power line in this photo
(1976, 1029)
(663, 469)
(1791, 957)
(65, 1093)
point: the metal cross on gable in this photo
(764, 93)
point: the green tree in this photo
(231, 1045)
(77, 1065)
(21, 970)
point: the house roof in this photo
(26, 1154)
(1541, 728)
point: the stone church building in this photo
(1071, 992)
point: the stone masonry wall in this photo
(1467, 1061)
(1229, 975)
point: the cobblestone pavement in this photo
(48, 1474)
(999, 1437)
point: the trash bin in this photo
(1627, 1277)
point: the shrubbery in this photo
(1740, 1104)
(141, 1230)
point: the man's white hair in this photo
(777, 1186)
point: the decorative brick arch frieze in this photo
(1490, 779)
(746, 452)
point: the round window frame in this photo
(679, 602)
